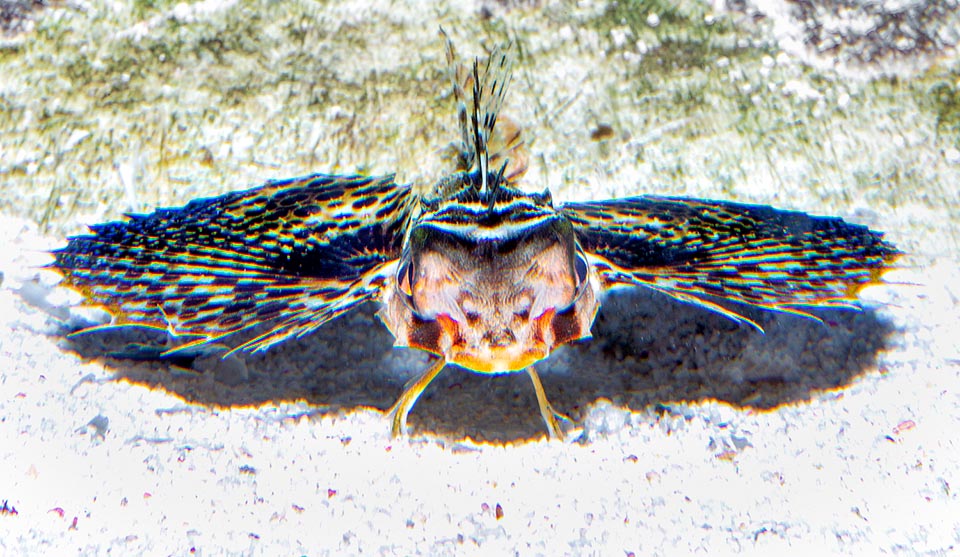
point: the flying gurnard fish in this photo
(475, 271)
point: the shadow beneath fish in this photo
(648, 352)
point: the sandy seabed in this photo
(142, 458)
(692, 435)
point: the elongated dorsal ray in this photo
(477, 122)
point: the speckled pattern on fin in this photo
(296, 253)
(697, 251)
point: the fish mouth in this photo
(498, 359)
(493, 354)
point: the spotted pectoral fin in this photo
(701, 252)
(289, 255)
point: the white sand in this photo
(285, 454)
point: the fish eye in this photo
(405, 278)
(581, 268)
